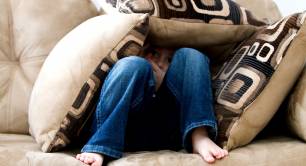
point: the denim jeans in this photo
(131, 116)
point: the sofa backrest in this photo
(28, 31)
(266, 10)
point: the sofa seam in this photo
(10, 22)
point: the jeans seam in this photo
(102, 150)
(137, 101)
(173, 90)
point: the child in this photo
(155, 103)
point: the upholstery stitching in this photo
(12, 52)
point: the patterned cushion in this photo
(296, 119)
(252, 85)
(67, 87)
(180, 23)
(209, 11)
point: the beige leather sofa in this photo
(30, 29)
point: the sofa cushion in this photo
(67, 86)
(28, 31)
(296, 118)
(21, 150)
(257, 153)
(252, 85)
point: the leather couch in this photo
(28, 32)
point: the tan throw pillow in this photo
(171, 33)
(252, 85)
(296, 118)
(64, 93)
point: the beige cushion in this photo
(172, 33)
(296, 118)
(265, 10)
(91, 47)
(21, 150)
(268, 152)
(28, 31)
(251, 87)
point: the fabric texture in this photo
(22, 150)
(208, 11)
(171, 33)
(27, 35)
(252, 85)
(71, 75)
(297, 108)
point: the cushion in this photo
(252, 85)
(209, 11)
(22, 150)
(165, 32)
(180, 23)
(255, 154)
(297, 108)
(215, 40)
(105, 6)
(64, 94)
(28, 32)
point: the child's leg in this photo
(128, 83)
(188, 78)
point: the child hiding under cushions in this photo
(161, 101)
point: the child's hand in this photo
(158, 73)
(160, 63)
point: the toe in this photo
(88, 160)
(217, 154)
(82, 158)
(208, 158)
(78, 156)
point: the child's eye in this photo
(155, 53)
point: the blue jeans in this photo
(131, 116)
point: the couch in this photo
(28, 32)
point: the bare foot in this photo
(204, 146)
(92, 159)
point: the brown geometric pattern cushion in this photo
(85, 103)
(208, 11)
(246, 75)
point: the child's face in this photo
(161, 57)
